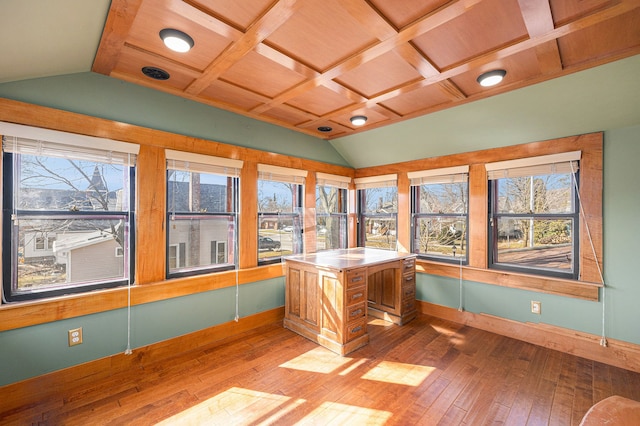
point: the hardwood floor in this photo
(427, 372)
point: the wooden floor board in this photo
(429, 371)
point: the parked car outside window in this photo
(266, 243)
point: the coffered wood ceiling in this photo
(305, 64)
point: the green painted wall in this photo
(32, 351)
(104, 97)
(40, 349)
(621, 231)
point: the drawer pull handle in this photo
(356, 279)
(408, 278)
(357, 296)
(356, 312)
(356, 329)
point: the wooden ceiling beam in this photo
(266, 24)
(203, 17)
(122, 14)
(427, 23)
(280, 58)
(622, 7)
(370, 18)
(452, 90)
(538, 20)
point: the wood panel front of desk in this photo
(331, 306)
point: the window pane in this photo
(277, 197)
(535, 194)
(441, 236)
(444, 198)
(380, 232)
(199, 192)
(331, 218)
(197, 242)
(279, 219)
(330, 199)
(536, 243)
(84, 252)
(380, 200)
(279, 235)
(65, 184)
(331, 232)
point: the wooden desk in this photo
(330, 294)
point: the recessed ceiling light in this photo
(491, 78)
(176, 40)
(155, 73)
(324, 129)
(358, 120)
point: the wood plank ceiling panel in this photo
(309, 64)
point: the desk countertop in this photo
(348, 258)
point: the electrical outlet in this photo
(75, 336)
(536, 307)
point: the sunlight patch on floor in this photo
(236, 406)
(381, 322)
(333, 413)
(318, 360)
(447, 331)
(399, 373)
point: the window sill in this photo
(28, 313)
(557, 286)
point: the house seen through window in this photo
(280, 218)
(67, 215)
(202, 213)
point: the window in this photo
(280, 195)
(377, 211)
(219, 253)
(534, 215)
(331, 211)
(202, 209)
(440, 206)
(67, 211)
(44, 242)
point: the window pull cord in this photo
(237, 317)
(128, 351)
(460, 307)
(603, 339)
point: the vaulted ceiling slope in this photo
(313, 64)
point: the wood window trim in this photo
(150, 283)
(587, 287)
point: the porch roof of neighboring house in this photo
(79, 240)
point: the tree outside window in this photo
(440, 211)
(534, 222)
(331, 217)
(69, 213)
(378, 214)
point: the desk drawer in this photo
(408, 292)
(408, 280)
(408, 305)
(356, 312)
(355, 329)
(356, 295)
(356, 278)
(408, 265)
